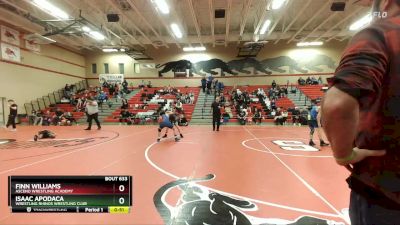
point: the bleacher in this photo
(139, 99)
(284, 102)
(312, 91)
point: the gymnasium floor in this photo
(254, 179)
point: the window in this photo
(106, 68)
(121, 68)
(94, 68)
(136, 67)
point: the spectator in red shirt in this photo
(361, 117)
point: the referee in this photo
(92, 112)
(216, 113)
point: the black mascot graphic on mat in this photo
(275, 64)
(208, 66)
(176, 66)
(240, 65)
(199, 205)
(320, 60)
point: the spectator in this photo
(242, 117)
(125, 104)
(296, 116)
(320, 80)
(257, 116)
(149, 85)
(314, 81)
(308, 81)
(182, 120)
(102, 98)
(273, 84)
(301, 81)
(203, 84)
(57, 116)
(179, 106)
(142, 84)
(125, 116)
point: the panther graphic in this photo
(176, 66)
(319, 60)
(208, 66)
(199, 205)
(275, 64)
(240, 65)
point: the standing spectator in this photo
(209, 87)
(216, 111)
(13, 115)
(92, 112)
(320, 80)
(273, 84)
(361, 117)
(203, 84)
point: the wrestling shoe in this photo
(181, 135)
(165, 136)
(311, 143)
(158, 139)
(35, 138)
(322, 143)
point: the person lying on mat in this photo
(44, 134)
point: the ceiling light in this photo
(110, 50)
(277, 4)
(122, 50)
(176, 30)
(162, 6)
(194, 49)
(361, 22)
(86, 29)
(265, 27)
(305, 44)
(97, 35)
(50, 9)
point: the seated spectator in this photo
(257, 116)
(67, 91)
(242, 117)
(308, 81)
(64, 100)
(301, 81)
(296, 116)
(47, 118)
(64, 122)
(125, 104)
(182, 120)
(125, 116)
(68, 116)
(278, 117)
(285, 115)
(304, 116)
(314, 81)
(225, 116)
(149, 85)
(58, 114)
(142, 84)
(179, 106)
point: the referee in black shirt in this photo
(13, 115)
(216, 111)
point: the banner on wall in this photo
(10, 52)
(32, 45)
(111, 78)
(9, 35)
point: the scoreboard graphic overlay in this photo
(70, 194)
